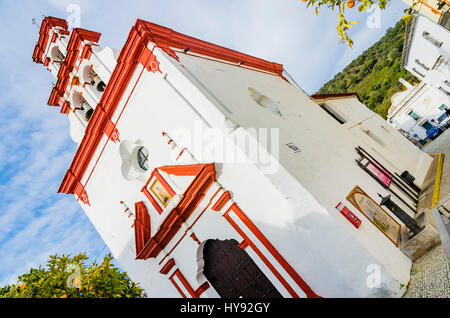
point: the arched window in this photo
(57, 55)
(92, 78)
(79, 103)
(142, 158)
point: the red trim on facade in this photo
(73, 53)
(160, 178)
(112, 132)
(202, 288)
(193, 195)
(224, 198)
(183, 170)
(47, 61)
(44, 33)
(243, 244)
(292, 273)
(153, 200)
(193, 293)
(167, 39)
(194, 237)
(191, 226)
(142, 230)
(141, 34)
(167, 267)
(176, 285)
(149, 60)
(65, 108)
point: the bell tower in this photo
(81, 68)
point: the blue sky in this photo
(35, 147)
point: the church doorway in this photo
(233, 273)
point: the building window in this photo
(333, 114)
(293, 147)
(442, 117)
(414, 115)
(445, 19)
(422, 65)
(427, 125)
(444, 91)
(434, 41)
(142, 158)
(415, 70)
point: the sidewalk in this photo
(430, 274)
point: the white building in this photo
(426, 53)
(419, 109)
(198, 161)
(435, 10)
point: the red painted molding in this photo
(168, 266)
(243, 244)
(142, 230)
(194, 237)
(192, 293)
(224, 198)
(112, 132)
(168, 39)
(153, 200)
(292, 273)
(193, 195)
(183, 170)
(164, 183)
(133, 53)
(149, 60)
(73, 53)
(44, 33)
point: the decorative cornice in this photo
(174, 220)
(44, 33)
(73, 54)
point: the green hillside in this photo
(374, 74)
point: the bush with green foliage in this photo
(71, 277)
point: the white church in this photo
(210, 173)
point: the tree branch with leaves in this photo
(341, 5)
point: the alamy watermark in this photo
(74, 279)
(260, 146)
(374, 19)
(374, 278)
(74, 18)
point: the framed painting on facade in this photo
(160, 192)
(376, 214)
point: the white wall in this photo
(384, 142)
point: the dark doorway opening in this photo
(233, 273)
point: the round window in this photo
(142, 158)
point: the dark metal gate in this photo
(232, 272)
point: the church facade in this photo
(209, 173)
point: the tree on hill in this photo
(374, 75)
(70, 277)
